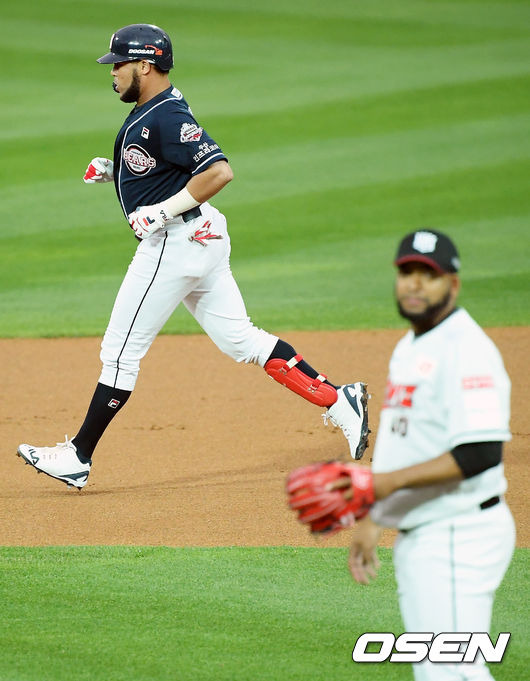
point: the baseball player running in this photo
(437, 466)
(165, 169)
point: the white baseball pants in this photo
(447, 573)
(168, 269)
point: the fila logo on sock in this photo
(113, 404)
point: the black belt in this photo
(191, 214)
(489, 503)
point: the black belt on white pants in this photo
(489, 503)
(191, 214)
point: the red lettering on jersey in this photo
(477, 382)
(398, 395)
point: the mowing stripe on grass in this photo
(157, 613)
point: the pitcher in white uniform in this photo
(437, 463)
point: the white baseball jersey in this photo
(445, 387)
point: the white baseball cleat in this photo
(350, 412)
(60, 462)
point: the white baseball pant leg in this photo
(168, 269)
(447, 574)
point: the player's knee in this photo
(119, 372)
(247, 344)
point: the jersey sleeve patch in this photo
(477, 382)
(482, 409)
(189, 132)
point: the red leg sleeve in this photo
(314, 390)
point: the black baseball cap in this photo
(430, 247)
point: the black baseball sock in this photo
(106, 403)
(283, 350)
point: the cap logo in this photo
(424, 242)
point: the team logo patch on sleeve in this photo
(189, 132)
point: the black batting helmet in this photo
(140, 41)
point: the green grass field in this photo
(348, 124)
(227, 614)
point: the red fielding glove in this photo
(330, 496)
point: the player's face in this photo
(425, 296)
(126, 81)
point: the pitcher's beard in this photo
(425, 320)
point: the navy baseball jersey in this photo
(158, 149)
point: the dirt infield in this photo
(198, 457)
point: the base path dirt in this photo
(199, 455)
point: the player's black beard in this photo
(423, 321)
(132, 93)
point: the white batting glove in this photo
(146, 220)
(99, 170)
